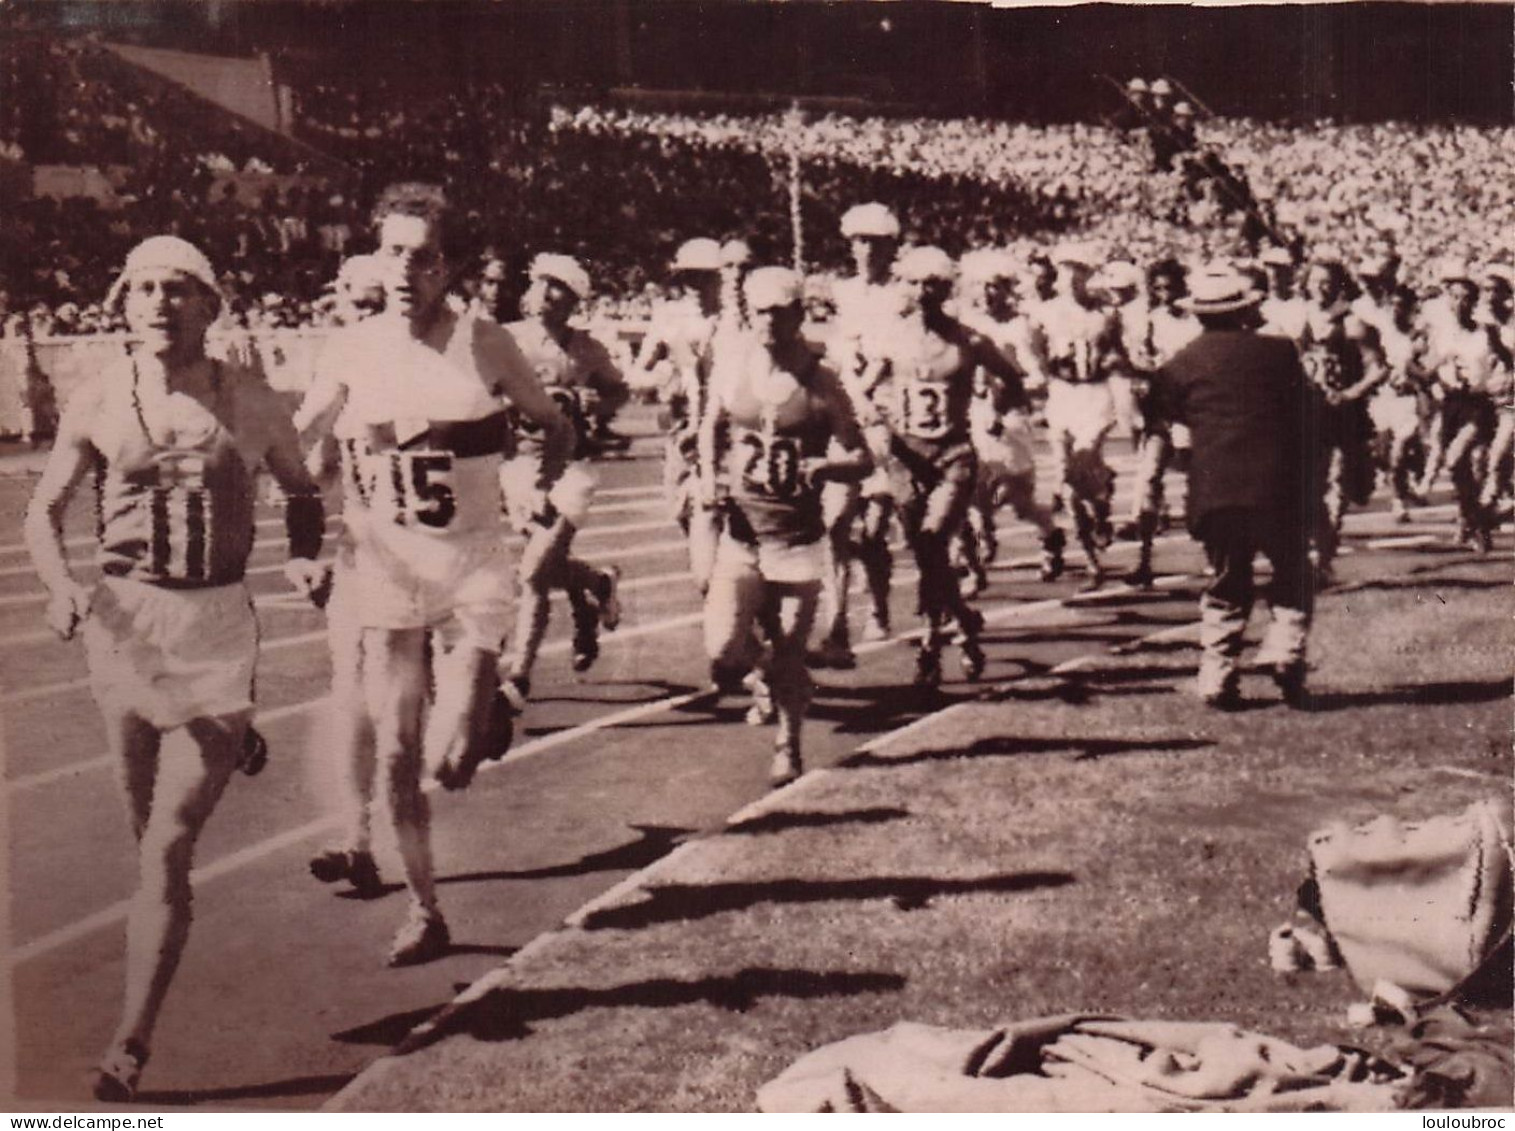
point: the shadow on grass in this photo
(273, 1089)
(669, 903)
(1086, 749)
(507, 1014)
(1416, 694)
(780, 820)
(653, 842)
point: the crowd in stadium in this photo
(618, 187)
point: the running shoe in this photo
(875, 628)
(1290, 679)
(836, 654)
(762, 712)
(787, 765)
(586, 647)
(355, 865)
(1053, 545)
(117, 1075)
(610, 600)
(424, 937)
(254, 753)
(517, 692)
(928, 667)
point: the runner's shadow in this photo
(653, 842)
(1082, 749)
(388, 1031)
(875, 708)
(657, 689)
(508, 1013)
(273, 1089)
(667, 903)
(1416, 694)
(1401, 583)
(782, 820)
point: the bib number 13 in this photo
(925, 411)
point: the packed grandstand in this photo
(621, 186)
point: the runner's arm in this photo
(506, 372)
(71, 458)
(1009, 380)
(847, 459)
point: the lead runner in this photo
(414, 399)
(175, 439)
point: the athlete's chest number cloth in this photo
(770, 465)
(407, 487)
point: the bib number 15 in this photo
(414, 487)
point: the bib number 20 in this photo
(771, 468)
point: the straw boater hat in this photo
(1220, 289)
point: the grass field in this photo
(1091, 841)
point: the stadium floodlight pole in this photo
(796, 218)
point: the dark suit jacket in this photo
(1244, 397)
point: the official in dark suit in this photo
(1244, 398)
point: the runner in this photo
(1159, 331)
(175, 440)
(578, 372)
(923, 377)
(1499, 314)
(1469, 367)
(1001, 430)
(1396, 409)
(1084, 350)
(346, 735)
(779, 428)
(1344, 361)
(858, 515)
(678, 342)
(422, 450)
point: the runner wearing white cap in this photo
(923, 378)
(175, 440)
(678, 343)
(1469, 366)
(575, 368)
(779, 427)
(1084, 350)
(858, 515)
